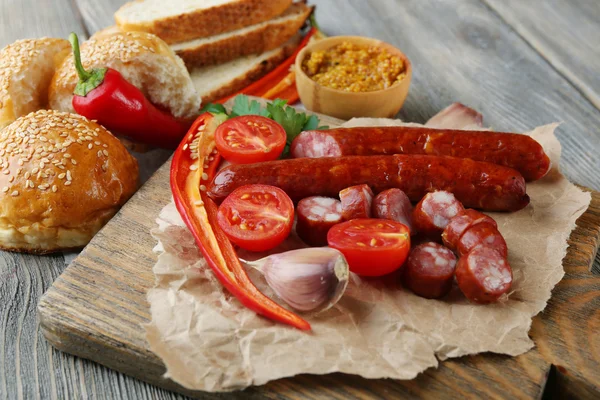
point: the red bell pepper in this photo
(103, 95)
(195, 159)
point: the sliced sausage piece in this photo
(429, 271)
(394, 204)
(484, 275)
(482, 235)
(475, 184)
(520, 152)
(459, 225)
(356, 202)
(434, 212)
(316, 215)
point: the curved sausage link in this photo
(475, 184)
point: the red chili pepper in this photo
(279, 83)
(105, 96)
(195, 157)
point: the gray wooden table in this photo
(521, 63)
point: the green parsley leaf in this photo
(213, 109)
(243, 106)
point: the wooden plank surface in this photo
(439, 33)
(566, 36)
(96, 308)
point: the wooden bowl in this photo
(385, 103)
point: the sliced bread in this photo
(215, 82)
(183, 20)
(254, 39)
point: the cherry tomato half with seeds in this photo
(372, 247)
(250, 139)
(256, 217)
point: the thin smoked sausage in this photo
(316, 215)
(483, 275)
(356, 202)
(434, 212)
(394, 204)
(461, 223)
(520, 152)
(429, 271)
(475, 184)
(482, 235)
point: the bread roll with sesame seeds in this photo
(144, 60)
(62, 177)
(26, 69)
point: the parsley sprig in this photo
(292, 121)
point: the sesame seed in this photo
(20, 162)
(15, 193)
(97, 143)
(73, 161)
(6, 172)
(43, 187)
(12, 179)
(90, 146)
(105, 152)
(5, 189)
(54, 188)
(62, 176)
(99, 153)
(105, 146)
(35, 170)
(29, 183)
(69, 177)
(66, 155)
(68, 183)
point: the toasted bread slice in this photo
(183, 20)
(254, 39)
(215, 82)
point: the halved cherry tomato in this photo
(250, 139)
(257, 217)
(372, 247)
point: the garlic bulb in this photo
(312, 279)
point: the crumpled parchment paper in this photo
(209, 342)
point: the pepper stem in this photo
(83, 74)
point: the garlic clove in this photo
(312, 279)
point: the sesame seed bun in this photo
(144, 60)
(62, 177)
(26, 69)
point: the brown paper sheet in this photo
(209, 342)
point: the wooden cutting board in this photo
(96, 308)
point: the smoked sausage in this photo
(483, 275)
(461, 223)
(434, 212)
(316, 215)
(356, 202)
(483, 234)
(516, 151)
(394, 204)
(429, 271)
(475, 184)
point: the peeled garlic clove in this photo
(312, 279)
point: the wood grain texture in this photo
(566, 36)
(21, 19)
(96, 308)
